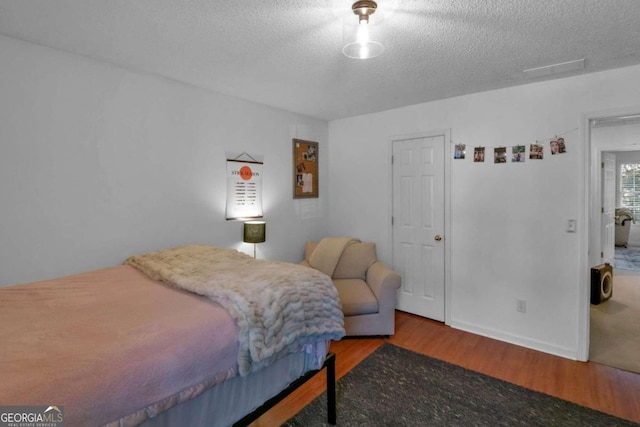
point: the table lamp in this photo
(254, 232)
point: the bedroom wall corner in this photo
(99, 163)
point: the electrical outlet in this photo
(571, 226)
(521, 306)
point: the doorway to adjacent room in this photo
(614, 326)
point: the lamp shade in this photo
(254, 232)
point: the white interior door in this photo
(608, 207)
(418, 224)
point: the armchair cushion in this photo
(356, 297)
(354, 262)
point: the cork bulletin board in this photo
(305, 169)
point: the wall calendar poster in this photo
(244, 188)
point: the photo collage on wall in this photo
(518, 153)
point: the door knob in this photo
(437, 238)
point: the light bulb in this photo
(363, 32)
(364, 51)
(363, 39)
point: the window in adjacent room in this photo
(630, 187)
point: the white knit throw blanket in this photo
(278, 306)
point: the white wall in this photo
(508, 222)
(98, 163)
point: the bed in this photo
(194, 335)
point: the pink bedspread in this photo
(108, 343)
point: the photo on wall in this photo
(500, 155)
(459, 151)
(561, 147)
(536, 151)
(478, 154)
(517, 154)
(558, 146)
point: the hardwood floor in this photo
(589, 384)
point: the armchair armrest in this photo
(384, 282)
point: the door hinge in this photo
(601, 254)
(391, 220)
(601, 210)
(602, 165)
(392, 159)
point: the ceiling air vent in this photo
(548, 70)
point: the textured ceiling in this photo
(287, 53)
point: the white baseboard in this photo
(566, 352)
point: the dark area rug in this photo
(397, 387)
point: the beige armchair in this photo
(366, 287)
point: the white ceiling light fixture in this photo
(362, 39)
